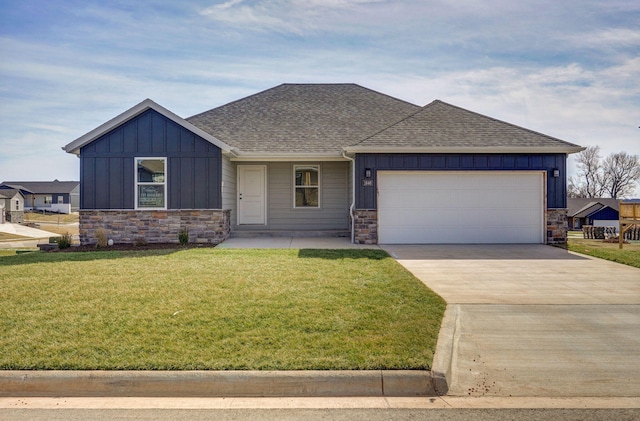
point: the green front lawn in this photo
(215, 309)
(629, 255)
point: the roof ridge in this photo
(234, 101)
(503, 122)
(393, 124)
(302, 84)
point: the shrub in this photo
(183, 237)
(140, 241)
(101, 236)
(64, 242)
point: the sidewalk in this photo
(440, 402)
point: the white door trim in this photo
(257, 199)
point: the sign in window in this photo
(151, 183)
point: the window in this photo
(306, 186)
(17, 205)
(48, 200)
(151, 186)
(60, 199)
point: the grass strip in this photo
(215, 309)
(629, 255)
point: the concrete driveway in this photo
(532, 320)
(32, 236)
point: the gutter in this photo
(353, 194)
(464, 149)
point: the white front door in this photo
(252, 194)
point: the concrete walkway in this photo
(532, 320)
(34, 236)
(293, 243)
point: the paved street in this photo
(311, 409)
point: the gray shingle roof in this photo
(8, 193)
(308, 118)
(577, 206)
(43, 187)
(441, 125)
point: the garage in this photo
(467, 207)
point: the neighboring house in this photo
(12, 206)
(54, 196)
(335, 159)
(600, 212)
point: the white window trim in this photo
(136, 183)
(318, 166)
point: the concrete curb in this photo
(446, 349)
(216, 383)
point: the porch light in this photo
(367, 173)
(556, 173)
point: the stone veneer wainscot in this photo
(163, 226)
(365, 226)
(557, 227)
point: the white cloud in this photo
(609, 37)
(535, 64)
(289, 16)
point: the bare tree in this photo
(621, 172)
(575, 188)
(590, 174)
(614, 176)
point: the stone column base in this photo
(365, 226)
(557, 227)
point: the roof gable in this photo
(74, 147)
(9, 193)
(576, 205)
(303, 118)
(441, 127)
(604, 212)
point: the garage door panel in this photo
(460, 207)
(423, 218)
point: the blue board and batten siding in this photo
(556, 186)
(194, 165)
(604, 214)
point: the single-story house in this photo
(334, 159)
(11, 206)
(599, 212)
(54, 196)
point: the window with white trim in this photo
(151, 185)
(306, 185)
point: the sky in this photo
(569, 69)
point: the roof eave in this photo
(288, 156)
(74, 147)
(565, 149)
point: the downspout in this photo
(353, 194)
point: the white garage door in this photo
(460, 207)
